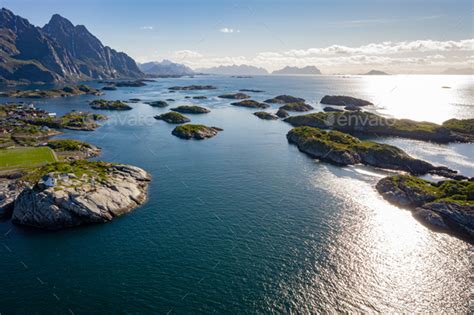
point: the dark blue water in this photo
(244, 222)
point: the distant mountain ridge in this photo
(234, 70)
(57, 52)
(296, 70)
(165, 68)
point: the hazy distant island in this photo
(165, 68)
(468, 71)
(296, 70)
(376, 72)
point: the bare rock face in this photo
(73, 201)
(9, 190)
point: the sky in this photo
(338, 36)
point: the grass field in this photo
(25, 157)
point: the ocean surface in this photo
(244, 222)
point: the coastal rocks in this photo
(192, 88)
(372, 124)
(342, 149)
(191, 109)
(285, 99)
(63, 92)
(282, 113)
(462, 126)
(173, 118)
(133, 83)
(265, 116)
(92, 192)
(109, 88)
(341, 100)
(328, 109)
(134, 100)
(160, 104)
(198, 132)
(236, 96)
(297, 107)
(251, 91)
(250, 104)
(9, 190)
(446, 205)
(68, 149)
(199, 97)
(109, 105)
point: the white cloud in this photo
(406, 56)
(146, 28)
(228, 30)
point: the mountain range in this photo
(165, 68)
(57, 52)
(296, 70)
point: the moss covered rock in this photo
(191, 109)
(297, 107)
(250, 104)
(109, 105)
(265, 116)
(173, 118)
(198, 132)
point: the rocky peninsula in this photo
(63, 195)
(173, 118)
(63, 92)
(198, 132)
(356, 122)
(342, 149)
(446, 206)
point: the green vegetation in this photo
(236, 96)
(72, 120)
(92, 169)
(250, 104)
(62, 145)
(173, 118)
(456, 191)
(25, 157)
(191, 128)
(460, 125)
(332, 139)
(369, 123)
(191, 109)
(297, 107)
(109, 105)
(63, 92)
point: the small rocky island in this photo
(198, 132)
(297, 107)
(192, 88)
(282, 113)
(109, 105)
(341, 100)
(63, 92)
(191, 109)
(250, 104)
(236, 96)
(265, 116)
(251, 90)
(160, 104)
(372, 124)
(73, 121)
(173, 118)
(342, 149)
(446, 206)
(68, 194)
(133, 83)
(285, 99)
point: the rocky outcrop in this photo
(297, 107)
(285, 99)
(192, 88)
(446, 206)
(160, 104)
(341, 100)
(173, 118)
(198, 132)
(265, 116)
(67, 200)
(368, 123)
(109, 105)
(191, 109)
(66, 91)
(251, 90)
(250, 104)
(282, 113)
(10, 188)
(236, 96)
(342, 149)
(329, 109)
